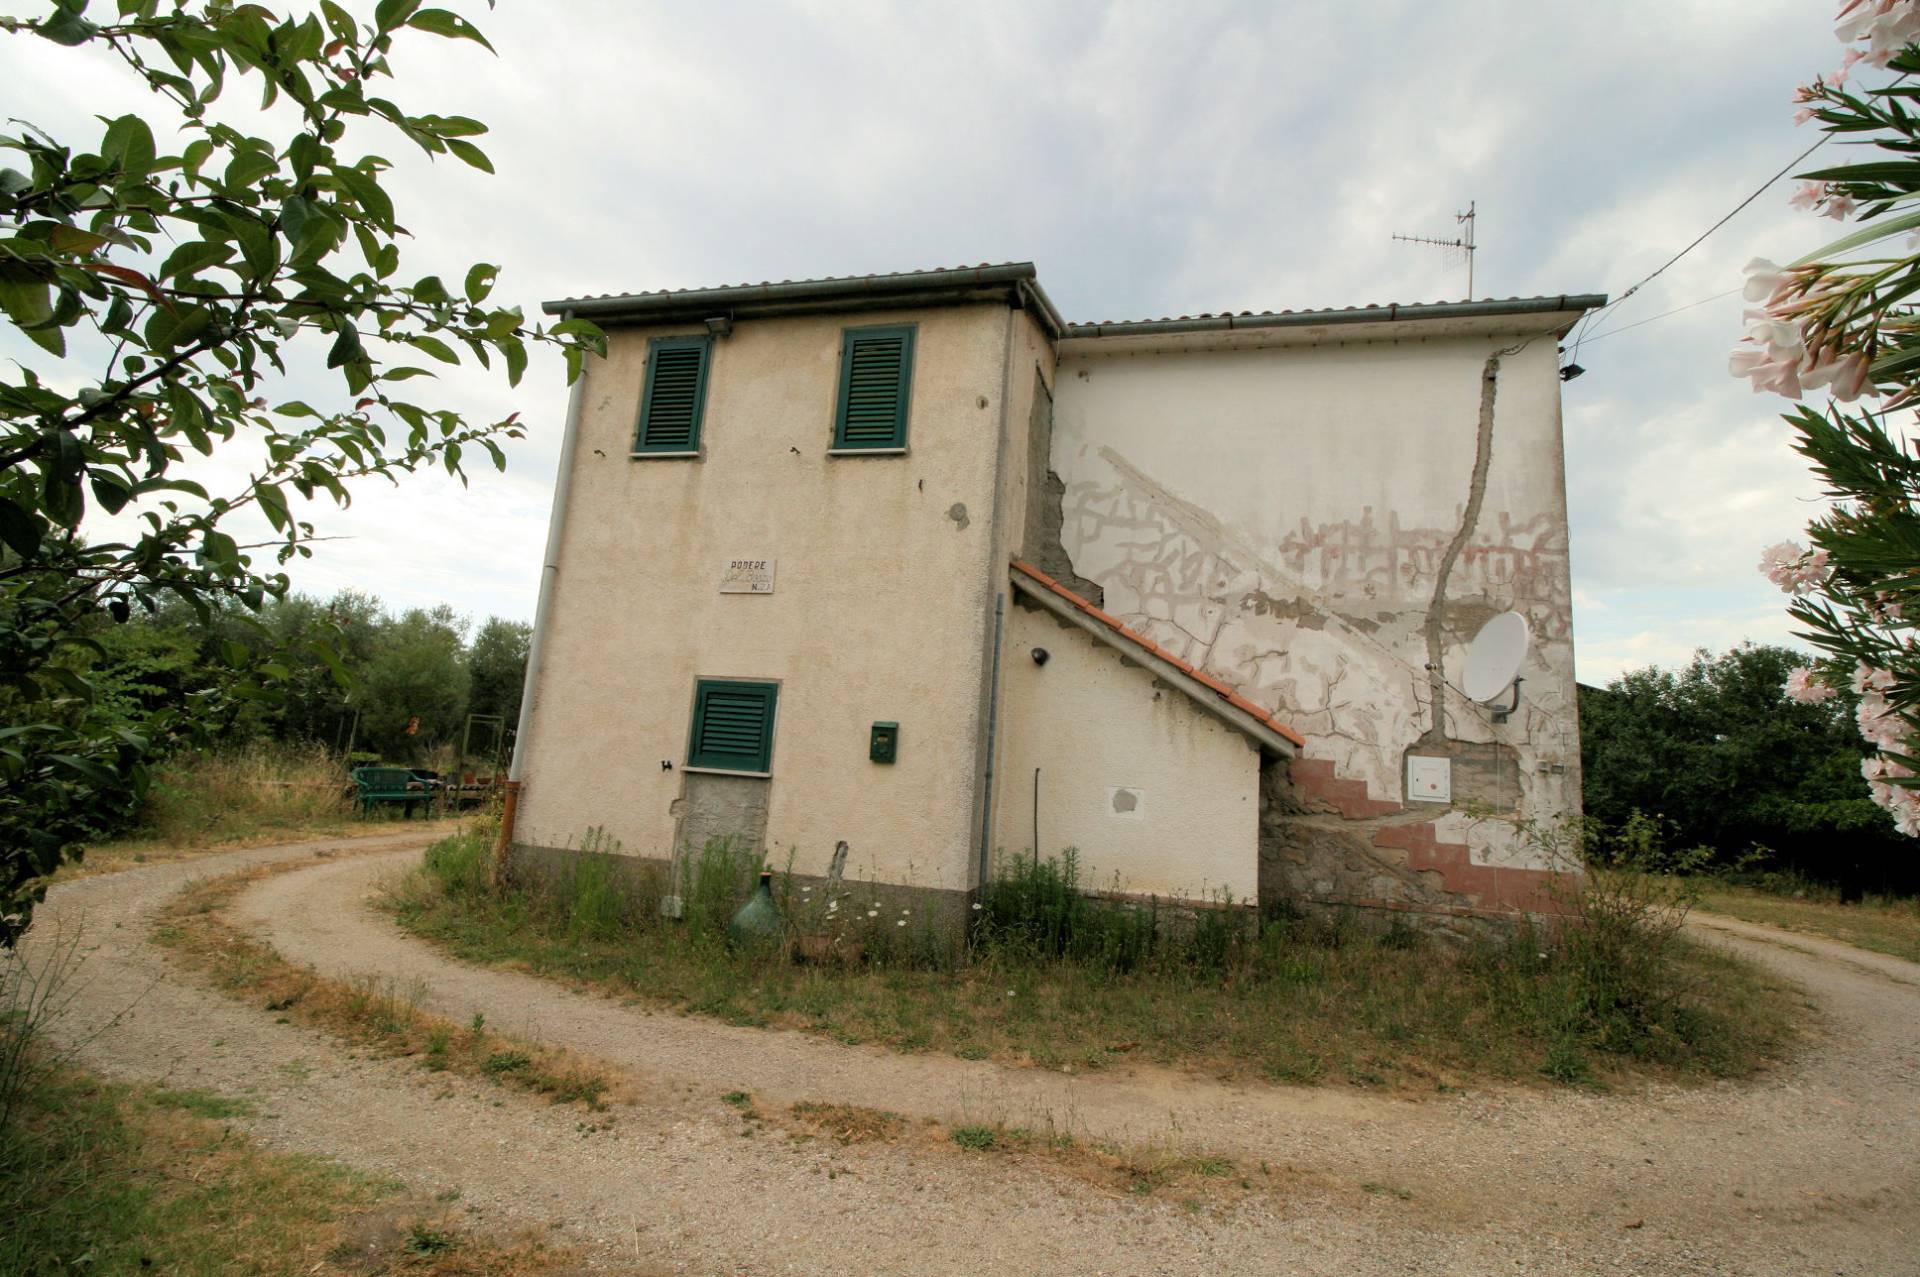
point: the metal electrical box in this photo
(884, 744)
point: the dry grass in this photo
(113, 1180)
(1155, 1169)
(375, 1015)
(849, 1123)
(1883, 924)
(262, 794)
(130, 853)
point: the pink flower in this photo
(1770, 368)
(1765, 280)
(1801, 116)
(1845, 374)
(1794, 570)
(1772, 330)
(1807, 196)
(1802, 686)
(1839, 207)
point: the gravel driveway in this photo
(1814, 1169)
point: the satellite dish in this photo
(1493, 661)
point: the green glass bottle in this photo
(758, 920)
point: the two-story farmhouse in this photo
(909, 562)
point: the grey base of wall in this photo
(535, 865)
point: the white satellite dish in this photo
(1493, 662)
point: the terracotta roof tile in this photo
(1226, 693)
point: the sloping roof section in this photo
(1212, 696)
(1390, 313)
(1013, 283)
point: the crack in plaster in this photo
(1469, 517)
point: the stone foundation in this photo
(1326, 843)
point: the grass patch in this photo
(1883, 924)
(977, 1138)
(111, 1179)
(247, 797)
(849, 1123)
(1051, 978)
(372, 1014)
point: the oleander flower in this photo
(1804, 686)
(1794, 570)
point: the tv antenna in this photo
(1462, 244)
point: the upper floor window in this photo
(674, 398)
(876, 381)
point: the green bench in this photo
(376, 785)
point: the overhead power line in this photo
(1593, 316)
(1615, 332)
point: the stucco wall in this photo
(884, 590)
(1280, 517)
(1093, 724)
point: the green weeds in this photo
(1046, 975)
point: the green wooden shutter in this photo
(876, 378)
(675, 395)
(733, 725)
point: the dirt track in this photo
(1815, 1169)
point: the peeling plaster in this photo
(1333, 621)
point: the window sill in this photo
(663, 456)
(866, 452)
(727, 771)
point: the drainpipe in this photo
(993, 719)
(549, 574)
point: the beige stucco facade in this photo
(1156, 798)
(1239, 533)
(881, 611)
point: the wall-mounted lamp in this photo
(1570, 372)
(1039, 656)
(720, 326)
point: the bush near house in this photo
(1048, 977)
(1717, 757)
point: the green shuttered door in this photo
(676, 393)
(733, 726)
(876, 374)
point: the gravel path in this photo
(1815, 1169)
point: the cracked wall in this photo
(1319, 524)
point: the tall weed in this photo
(198, 799)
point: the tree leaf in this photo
(450, 24)
(480, 281)
(66, 26)
(19, 529)
(390, 14)
(471, 154)
(109, 492)
(435, 347)
(93, 771)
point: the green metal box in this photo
(884, 744)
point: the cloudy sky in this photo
(1151, 159)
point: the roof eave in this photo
(1565, 309)
(1014, 283)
